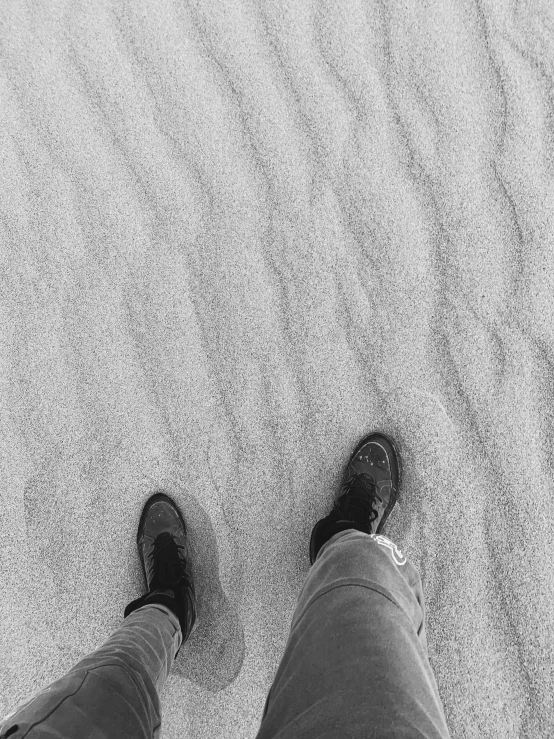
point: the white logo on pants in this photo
(397, 556)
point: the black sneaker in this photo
(368, 492)
(163, 551)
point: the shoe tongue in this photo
(164, 591)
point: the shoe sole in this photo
(396, 477)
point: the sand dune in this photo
(235, 239)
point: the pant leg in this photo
(112, 693)
(356, 662)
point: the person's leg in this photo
(113, 692)
(356, 661)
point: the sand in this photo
(235, 239)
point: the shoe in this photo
(368, 492)
(164, 554)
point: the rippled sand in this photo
(235, 238)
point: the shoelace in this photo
(168, 565)
(355, 503)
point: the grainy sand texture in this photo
(236, 237)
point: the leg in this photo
(113, 692)
(356, 661)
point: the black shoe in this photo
(163, 551)
(368, 492)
